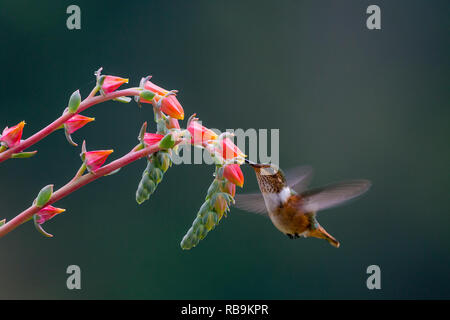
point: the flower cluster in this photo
(157, 148)
(217, 203)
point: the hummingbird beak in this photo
(256, 165)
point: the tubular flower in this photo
(172, 123)
(229, 188)
(152, 138)
(95, 159)
(47, 213)
(233, 173)
(77, 122)
(229, 150)
(11, 136)
(111, 83)
(199, 133)
(169, 105)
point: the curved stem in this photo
(76, 184)
(86, 103)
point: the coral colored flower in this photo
(170, 104)
(11, 136)
(229, 150)
(200, 133)
(76, 122)
(111, 83)
(233, 173)
(172, 124)
(47, 213)
(229, 188)
(152, 138)
(95, 159)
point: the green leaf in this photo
(74, 101)
(23, 155)
(44, 196)
(147, 95)
(167, 142)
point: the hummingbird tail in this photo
(321, 233)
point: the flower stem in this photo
(76, 184)
(86, 103)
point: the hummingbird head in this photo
(270, 177)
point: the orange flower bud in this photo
(233, 173)
(169, 105)
(111, 83)
(199, 133)
(11, 136)
(77, 122)
(95, 159)
(47, 213)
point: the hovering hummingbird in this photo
(290, 206)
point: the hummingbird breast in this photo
(288, 218)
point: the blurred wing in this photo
(252, 202)
(298, 178)
(333, 195)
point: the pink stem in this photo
(78, 183)
(86, 103)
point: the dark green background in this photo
(351, 102)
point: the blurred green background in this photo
(351, 102)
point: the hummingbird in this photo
(292, 207)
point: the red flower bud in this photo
(229, 188)
(47, 213)
(233, 173)
(152, 138)
(95, 159)
(169, 104)
(172, 123)
(11, 136)
(76, 122)
(200, 133)
(111, 83)
(229, 150)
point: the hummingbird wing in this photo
(252, 202)
(332, 195)
(298, 178)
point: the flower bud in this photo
(233, 173)
(152, 138)
(163, 160)
(220, 204)
(95, 159)
(210, 220)
(229, 150)
(76, 122)
(156, 174)
(47, 213)
(112, 83)
(229, 188)
(199, 133)
(172, 123)
(11, 136)
(169, 103)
